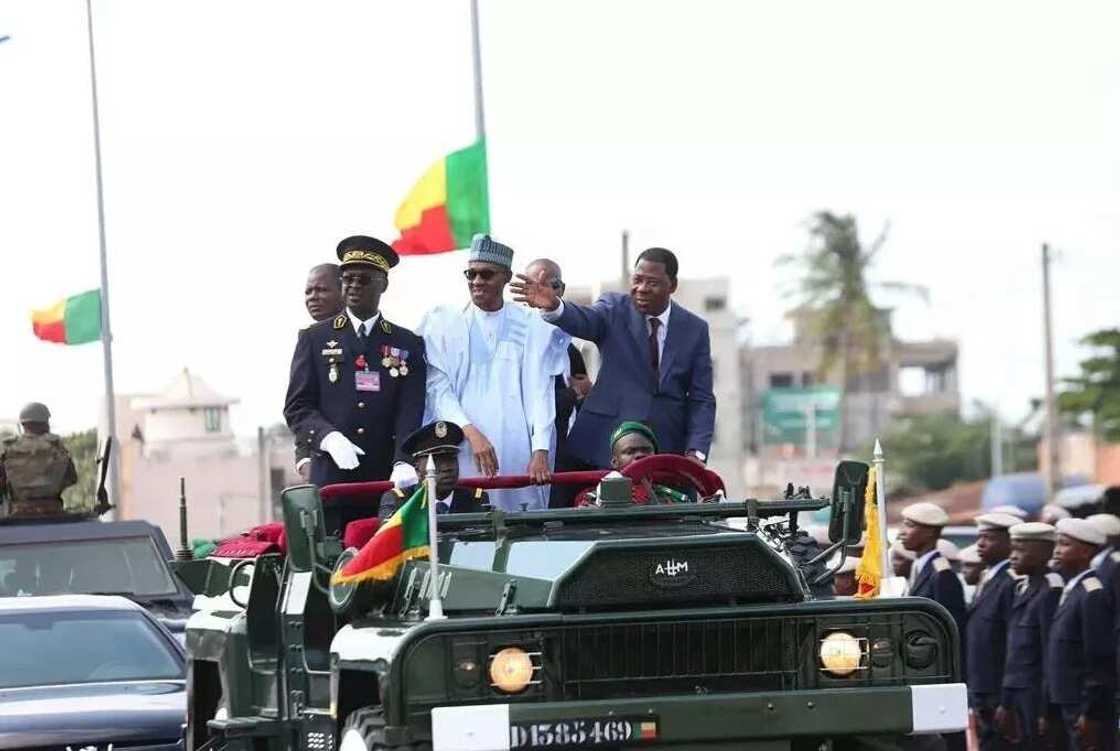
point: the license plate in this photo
(597, 732)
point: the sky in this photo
(242, 141)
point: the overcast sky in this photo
(242, 140)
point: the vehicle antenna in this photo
(184, 553)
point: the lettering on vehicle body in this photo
(671, 573)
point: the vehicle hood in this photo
(126, 712)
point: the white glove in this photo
(344, 453)
(404, 476)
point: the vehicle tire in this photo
(802, 549)
(364, 731)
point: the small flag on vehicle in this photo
(403, 537)
(869, 572)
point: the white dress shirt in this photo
(663, 331)
(369, 322)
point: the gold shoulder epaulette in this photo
(940, 564)
(478, 494)
(339, 322)
(1091, 584)
(386, 326)
(1055, 580)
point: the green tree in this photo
(1095, 393)
(82, 496)
(835, 290)
(934, 451)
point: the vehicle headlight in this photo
(841, 653)
(511, 670)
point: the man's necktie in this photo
(654, 358)
(362, 333)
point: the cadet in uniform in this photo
(931, 575)
(1036, 597)
(1080, 663)
(439, 440)
(322, 296)
(986, 631)
(357, 381)
(35, 467)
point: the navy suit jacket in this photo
(679, 406)
(377, 421)
(986, 636)
(937, 582)
(1032, 612)
(1081, 653)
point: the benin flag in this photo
(869, 571)
(402, 537)
(74, 320)
(446, 206)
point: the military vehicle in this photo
(671, 626)
(78, 553)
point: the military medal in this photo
(394, 372)
(361, 363)
(332, 374)
(386, 361)
(403, 360)
(403, 370)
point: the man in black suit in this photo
(322, 296)
(439, 440)
(357, 382)
(569, 395)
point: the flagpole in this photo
(885, 573)
(476, 56)
(106, 331)
(435, 602)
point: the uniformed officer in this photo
(35, 466)
(931, 575)
(322, 296)
(1081, 648)
(357, 381)
(439, 440)
(1032, 610)
(986, 630)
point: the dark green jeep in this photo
(675, 626)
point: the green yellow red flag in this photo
(447, 206)
(869, 571)
(72, 320)
(402, 537)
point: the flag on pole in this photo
(402, 537)
(73, 320)
(447, 206)
(869, 571)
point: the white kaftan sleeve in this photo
(443, 350)
(546, 355)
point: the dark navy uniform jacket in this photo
(375, 420)
(986, 637)
(938, 582)
(463, 501)
(1032, 612)
(1081, 650)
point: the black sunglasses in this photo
(483, 274)
(362, 279)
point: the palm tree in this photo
(836, 301)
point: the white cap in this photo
(948, 550)
(929, 514)
(1033, 531)
(901, 552)
(969, 555)
(1054, 511)
(1108, 524)
(1009, 508)
(997, 520)
(1081, 529)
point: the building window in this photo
(212, 419)
(781, 380)
(715, 304)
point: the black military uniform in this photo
(1024, 683)
(938, 582)
(1081, 658)
(370, 389)
(435, 438)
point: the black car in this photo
(75, 554)
(85, 671)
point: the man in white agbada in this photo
(491, 366)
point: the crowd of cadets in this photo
(1039, 628)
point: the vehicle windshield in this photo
(84, 647)
(122, 565)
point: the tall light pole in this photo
(1053, 469)
(106, 329)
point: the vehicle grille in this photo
(682, 657)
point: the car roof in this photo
(49, 603)
(11, 534)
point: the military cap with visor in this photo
(360, 251)
(434, 438)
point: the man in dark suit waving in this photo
(656, 361)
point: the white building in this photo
(188, 418)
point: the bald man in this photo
(570, 390)
(322, 296)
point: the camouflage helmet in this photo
(35, 412)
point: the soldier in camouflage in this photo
(35, 467)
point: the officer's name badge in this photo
(367, 380)
(331, 352)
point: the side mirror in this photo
(849, 486)
(303, 525)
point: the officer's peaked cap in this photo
(434, 438)
(360, 250)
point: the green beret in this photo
(633, 426)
